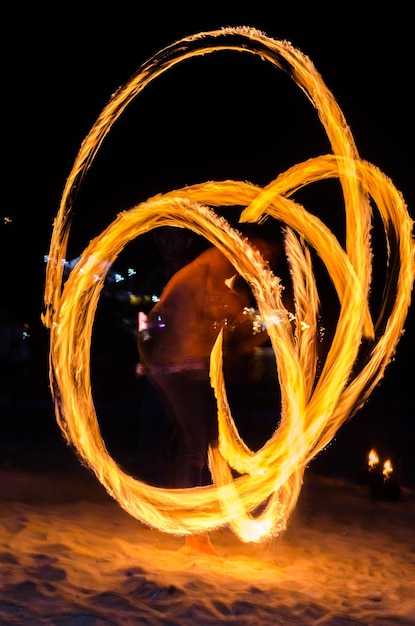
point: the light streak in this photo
(312, 409)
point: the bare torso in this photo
(197, 302)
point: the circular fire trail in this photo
(312, 408)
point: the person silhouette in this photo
(176, 247)
(199, 300)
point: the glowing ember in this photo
(311, 410)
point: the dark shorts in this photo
(192, 409)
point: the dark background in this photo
(225, 116)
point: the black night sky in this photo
(210, 119)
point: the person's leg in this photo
(200, 543)
(155, 439)
(193, 405)
(193, 408)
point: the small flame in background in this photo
(387, 468)
(373, 459)
(312, 409)
(373, 462)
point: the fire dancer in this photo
(176, 248)
(199, 300)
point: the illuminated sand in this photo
(71, 555)
(312, 410)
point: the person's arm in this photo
(246, 333)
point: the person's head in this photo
(173, 243)
(268, 238)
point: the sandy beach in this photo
(70, 556)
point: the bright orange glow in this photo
(387, 468)
(312, 410)
(373, 459)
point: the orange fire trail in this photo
(312, 410)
